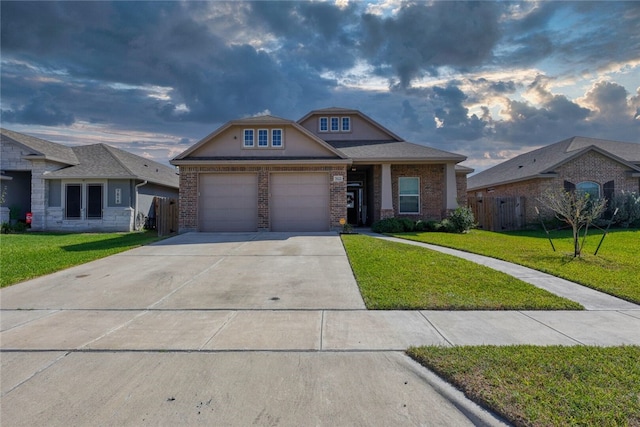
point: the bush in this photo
(461, 220)
(387, 225)
(628, 204)
(447, 226)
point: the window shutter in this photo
(569, 186)
(609, 189)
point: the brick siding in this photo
(188, 198)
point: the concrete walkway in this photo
(246, 329)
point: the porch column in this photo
(386, 208)
(450, 187)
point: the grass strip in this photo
(545, 386)
(28, 255)
(615, 270)
(397, 276)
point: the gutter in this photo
(135, 217)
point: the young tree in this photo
(575, 208)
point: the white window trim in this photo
(257, 138)
(320, 124)
(281, 138)
(244, 138)
(409, 195)
(342, 129)
(331, 124)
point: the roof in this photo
(265, 120)
(393, 151)
(40, 147)
(104, 161)
(542, 162)
(336, 111)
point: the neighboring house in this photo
(601, 167)
(85, 188)
(333, 165)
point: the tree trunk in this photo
(576, 242)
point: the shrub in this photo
(461, 220)
(628, 204)
(420, 226)
(387, 225)
(407, 224)
(447, 226)
(433, 226)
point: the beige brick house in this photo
(601, 167)
(272, 174)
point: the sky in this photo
(488, 80)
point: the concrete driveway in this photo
(217, 329)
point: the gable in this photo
(360, 127)
(283, 139)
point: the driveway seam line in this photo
(436, 328)
(232, 315)
(552, 328)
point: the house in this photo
(332, 166)
(85, 188)
(601, 167)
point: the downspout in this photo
(135, 212)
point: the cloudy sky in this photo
(488, 80)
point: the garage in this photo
(300, 202)
(228, 202)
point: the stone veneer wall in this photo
(188, 199)
(113, 220)
(592, 166)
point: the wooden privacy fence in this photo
(498, 213)
(166, 215)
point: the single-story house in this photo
(332, 166)
(601, 167)
(84, 188)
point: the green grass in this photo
(615, 270)
(405, 277)
(28, 255)
(545, 386)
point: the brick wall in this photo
(432, 189)
(188, 198)
(592, 166)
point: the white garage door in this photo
(299, 202)
(228, 202)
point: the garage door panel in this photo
(300, 202)
(228, 202)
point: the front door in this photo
(354, 204)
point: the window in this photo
(335, 124)
(346, 124)
(118, 196)
(73, 201)
(409, 195)
(276, 137)
(592, 188)
(324, 124)
(248, 138)
(94, 201)
(263, 138)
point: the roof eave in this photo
(407, 161)
(512, 181)
(253, 162)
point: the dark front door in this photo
(354, 205)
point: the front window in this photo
(248, 137)
(409, 195)
(276, 137)
(589, 187)
(94, 201)
(263, 138)
(73, 201)
(335, 124)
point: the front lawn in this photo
(397, 276)
(615, 270)
(28, 255)
(545, 386)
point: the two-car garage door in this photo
(297, 202)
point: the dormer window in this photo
(335, 124)
(346, 124)
(263, 138)
(249, 138)
(324, 124)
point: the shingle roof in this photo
(104, 161)
(537, 163)
(392, 151)
(40, 147)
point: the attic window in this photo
(335, 124)
(346, 124)
(323, 124)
